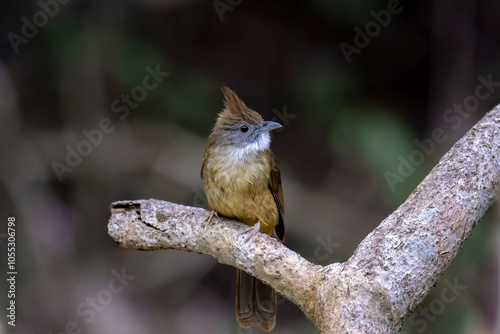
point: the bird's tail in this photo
(255, 301)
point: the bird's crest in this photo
(235, 110)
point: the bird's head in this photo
(240, 127)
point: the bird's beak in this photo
(269, 126)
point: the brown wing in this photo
(277, 191)
(202, 168)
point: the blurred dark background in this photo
(75, 76)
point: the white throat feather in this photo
(262, 143)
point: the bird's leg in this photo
(252, 231)
(208, 221)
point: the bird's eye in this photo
(243, 128)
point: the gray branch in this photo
(390, 272)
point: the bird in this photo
(242, 181)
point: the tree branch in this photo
(390, 272)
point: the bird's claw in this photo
(252, 231)
(208, 220)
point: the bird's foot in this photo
(208, 221)
(252, 231)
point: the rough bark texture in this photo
(390, 272)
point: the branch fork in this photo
(390, 272)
